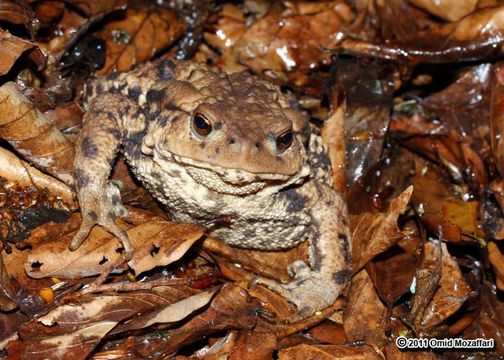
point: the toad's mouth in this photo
(221, 179)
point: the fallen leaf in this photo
(496, 259)
(451, 10)
(444, 296)
(15, 13)
(365, 316)
(328, 352)
(20, 172)
(33, 136)
(12, 48)
(144, 31)
(372, 234)
(393, 271)
(439, 207)
(285, 43)
(478, 36)
(94, 7)
(497, 116)
(73, 330)
(155, 243)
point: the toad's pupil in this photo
(201, 125)
(284, 141)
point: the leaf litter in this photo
(417, 87)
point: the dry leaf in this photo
(451, 10)
(155, 243)
(328, 352)
(15, 170)
(73, 330)
(12, 48)
(33, 136)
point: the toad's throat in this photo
(224, 180)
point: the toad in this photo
(213, 145)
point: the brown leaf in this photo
(372, 234)
(445, 296)
(365, 315)
(145, 30)
(367, 113)
(94, 7)
(284, 44)
(155, 243)
(392, 271)
(265, 263)
(10, 323)
(12, 48)
(73, 330)
(328, 352)
(232, 307)
(17, 171)
(496, 259)
(451, 10)
(497, 116)
(243, 345)
(439, 207)
(15, 13)
(333, 134)
(32, 135)
(476, 37)
(490, 321)
(328, 332)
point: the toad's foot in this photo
(310, 291)
(101, 207)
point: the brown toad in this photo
(210, 145)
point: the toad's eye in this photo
(201, 125)
(284, 141)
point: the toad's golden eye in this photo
(201, 125)
(284, 141)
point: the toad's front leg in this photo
(317, 286)
(102, 134)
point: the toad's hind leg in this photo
(103, 131)
(317, 286)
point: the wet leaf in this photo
(368, 98)
(94, 7)
(497, 116)
(15, 12)
(496, 259)
(392, 272)
(439, 207)
(365, 315)
(144, 31)
(286, 43)
(374, 233)
(449, 291)
(475, 37)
